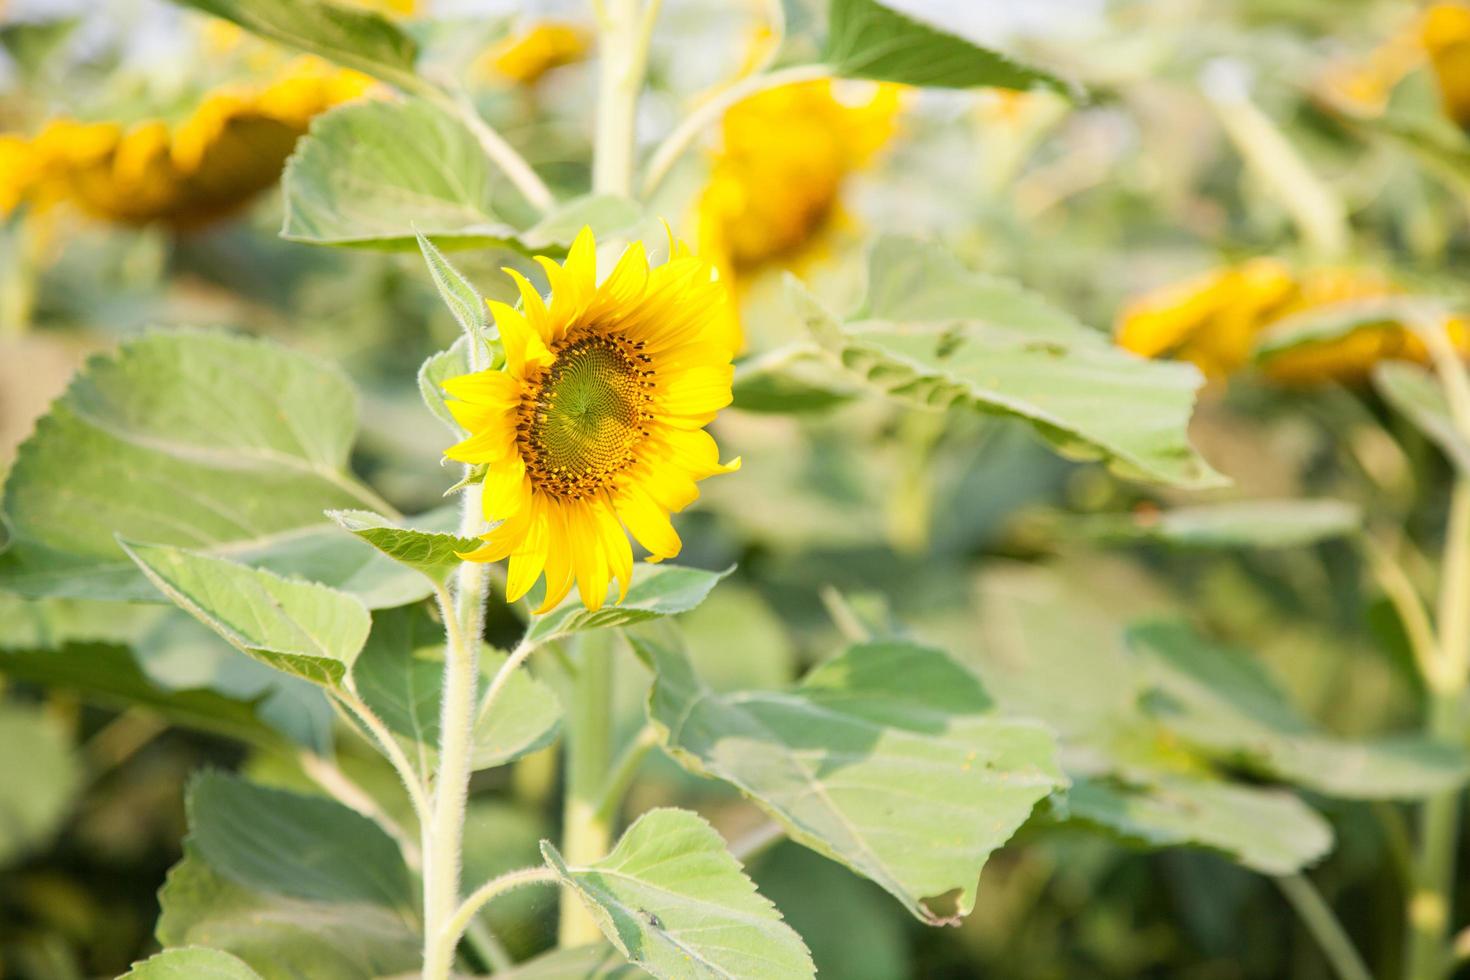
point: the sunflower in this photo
(1445, 33)
(776, 179)
(525, 56)
(596, 423)
(230, 148)
(1216, 319)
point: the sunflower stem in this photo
(586, 830)
(624, 30)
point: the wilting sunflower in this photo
(1215, 320)
(784, 154)
(525, 56)
(596, 423)
(229, 149)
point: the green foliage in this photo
(218, 444)
(1417, 396)
(463, 300)
(433, 552)
(42, 775)
(932, 332)
(191, 963)
(385, 174)
(673, 901)
(400, 675)
(352, 37)
(888, 759)
(894, 42)
(1235, 524)
(437, 369)
(301, 628)
(657, 590)
(292, 885)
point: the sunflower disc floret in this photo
(596, 423)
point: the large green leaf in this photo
(191, 963)
(220, 444)
(1235, 524)
(400, 674)
(1223, 702)
(435, 552)
(305, 847)
(1269, 831)
(673, 901)
(933, 332)
(42, 775)
(350, 36)
(657, 590)
(386, 174)
(298, 627)
(1417, 395)
(888, 759)
(281, 937)
(908, 41)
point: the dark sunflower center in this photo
(585, 416)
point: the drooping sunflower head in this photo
(525, 56)
(1216, 320)
(596, 423)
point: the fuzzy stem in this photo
(494, 888)
(624, 29)
(586, 833)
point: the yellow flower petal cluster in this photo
(596, 423)
(1445, 34)
(776, 178)
(525, 56)
(1214, 320)
(232, 147)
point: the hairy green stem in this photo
(495, 887)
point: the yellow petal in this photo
(529, 557)
(523, 344)
(649, 523)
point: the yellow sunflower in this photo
(525, 56)
(776, 179)
(1214, 320)
(230, 148)
(1445, 33)
(596, 423)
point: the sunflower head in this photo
(1445, 33)
(596, 423)
(524, 57)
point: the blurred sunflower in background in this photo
(597, 421)
(1438, 37)
(230, 148)
(777, 175)
(1216, 319)
(524, 56)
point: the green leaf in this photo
(109, 676)
(1269, 831)
(464, 301)
(400, 674)
(1234, 524)
(42, 776)
(1415, 393)
(384, 174)
(673, 901)
(592, 962)
(1325, 324)
(280, 937)
(437, 369)
(657, 590)
(432, 552)
(1224, 703)
(352, 37)
(888, 759)
(305, 847)
(191, 963)
(298, 627)
(223, 445)
(380, 174)
(938, 334)
(894, 42)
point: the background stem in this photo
(1320, 921)
(586, 834)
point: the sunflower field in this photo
(878, 489)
